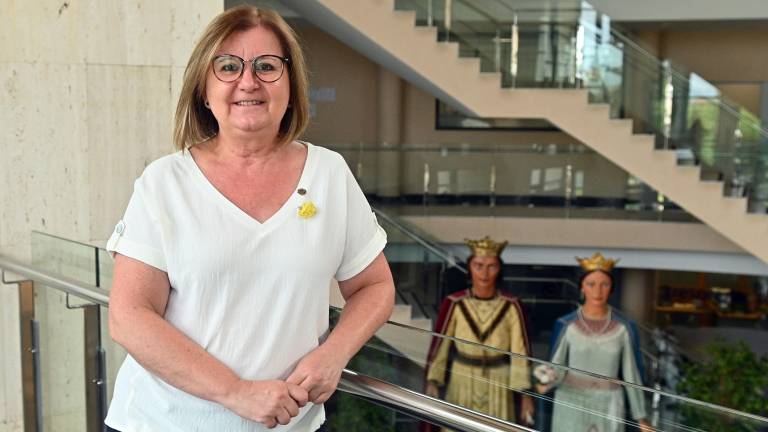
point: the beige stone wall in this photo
(351, 118)
(88, 91)
(729, 55)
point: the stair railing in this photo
(395, 397)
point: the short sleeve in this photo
(137, 235)
(365, 239)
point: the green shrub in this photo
(732, 376)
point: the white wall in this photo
(88, 91)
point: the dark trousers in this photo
(109, 429)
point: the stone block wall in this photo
(88, 89)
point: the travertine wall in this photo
(88, 90)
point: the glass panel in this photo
(566, 399)
(62, 347)
(419, 269)
(65, 257)
(399, 354)
(506, 180)
(348, 413)
(61, 361)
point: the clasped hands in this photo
(314, 379)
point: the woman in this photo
(227, 248)
(473, 376)
(595, 339)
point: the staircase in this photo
(390, 37)
(411, 344)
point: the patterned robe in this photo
(475, 377)
(586, 404)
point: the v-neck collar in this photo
(289, 207)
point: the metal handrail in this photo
(383, 392)
(434, 410)
(91, 293)
(380, 392)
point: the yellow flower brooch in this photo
(307, 210)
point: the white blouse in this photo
(254, 295)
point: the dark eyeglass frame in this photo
(285, 60)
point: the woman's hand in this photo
(267, 402)
(318, 373)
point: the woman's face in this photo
(484, 271)
(248, 107)
(596, 287)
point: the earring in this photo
(581, 297)
(207, 104)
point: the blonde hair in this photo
(193, 122)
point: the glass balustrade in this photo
(425, 272)
(572, 45)
(572, 399)
(64, 339)
(398, 354)
(551, 180)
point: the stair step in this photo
(491, 77)
(692, 172)
(401, 313)
(624, 124)
(406, 15)
(413, 345)
(759, 219)
(603, 110)
(646, 140)
(471, 64)
(422, 323)
(450, 48)
(666, 157)
(428, 33)
(713, 187)
(736, 205)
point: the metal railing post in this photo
(447, 17)
(94, 381)
(514, 51)
(30, 358)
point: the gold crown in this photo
(485, 247)
(597, 262)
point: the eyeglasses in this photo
(267, 68)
